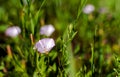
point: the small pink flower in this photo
(103, 10)
(13, 31)
(88, 9)
(44, 45)
(47, 30)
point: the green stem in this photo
(92, 59)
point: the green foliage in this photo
(85, 43)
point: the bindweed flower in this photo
(44, 45)
(47, 30)
(103, 10)
(13, 31)
(88, 9)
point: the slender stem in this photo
(37, 56)
(92, 59)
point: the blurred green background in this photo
(102, 30)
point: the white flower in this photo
(88, 9)
(44, 45)
(47, 30)
(13, 31)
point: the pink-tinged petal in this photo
(44, 45)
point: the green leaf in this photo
(3, 28)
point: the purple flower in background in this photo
(88, 9)
(13, 31)
(44, 45)
(103, 10)
(47, 30)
